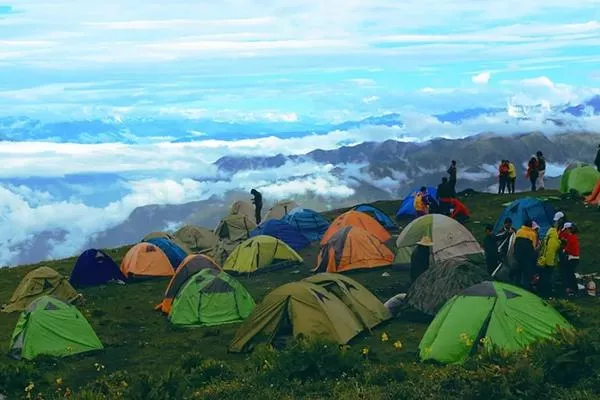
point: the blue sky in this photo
(292, 59)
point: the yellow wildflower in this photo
(29, 387)
(365, 351)
(520, 329)
(384, 337)
(398, 344)
(59, 381)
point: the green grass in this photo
(139, 339)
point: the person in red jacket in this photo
(459, 211)
(570, 247)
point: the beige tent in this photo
(37, 283)
(280, 209)
(450, 239)
(197, 239)
(234, 228)
(243, 208)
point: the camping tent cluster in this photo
(470, 310)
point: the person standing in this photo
(597, 160)
(512, 177)
(503, 237)
(525, 241)
(548, 259)
(452, 177)
(502, 177)
(444, 195)
(571, 251)
(422, 202)
(419, 259)
(490, 246)
(532, 173)
(257, 200)
(541, 168)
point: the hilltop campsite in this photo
(136, 352)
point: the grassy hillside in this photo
(139, 339)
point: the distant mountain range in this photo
(163, 129)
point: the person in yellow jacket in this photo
(421, 202)
(525, 256)
(548, 261)
(512, 177)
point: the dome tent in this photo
(52, 327)
(359, 220)
(261, 253)
(439, 283)
(190, 266)
(243, 208)
(407, 208)
(579, 177)
(146, 260)
(211, 298)
(37, 283)
(309, 222)
(197, 239)
(379, 215)
(450, 239)
(527, 208)
(283, 231)
(352, 248)
(165, 235)
(280, 209)
(174, 253)
(489, 314)
(94, 267)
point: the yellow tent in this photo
(37, 283)
(261, 252)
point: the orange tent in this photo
(594, 198)
(146, 259)
(191, 265)
(352, 248)
(359, 220)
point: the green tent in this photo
(52, 327)
(210, 298)
(485, 315)
(579, 177)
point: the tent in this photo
(243, 208)
(407, 208)
(352, 248)
(146, 259)
(197, 239)
(211, 298)
(486, 315)
(191, 265)
(379, 215)
(450, 239)
(37, 283)
(94, 267)
(261, 253)
(280, 209)
(309, 222)
(168, 236)
(438, 284)
(52, 327)
(527, 207)
(359, 220)
(297, 309)
(368, 308)
(579, 177)
(235, 228)
(283, 231)
(174, 253)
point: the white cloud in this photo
(370, 99)
(482, 78)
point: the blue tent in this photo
(94, 267)
(309, 222)
(174, 253)
(283, 231)
(407, 208)
(376, 213)
(520, 210)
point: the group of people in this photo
(445, 202)
(536, 259)
(536, 171)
